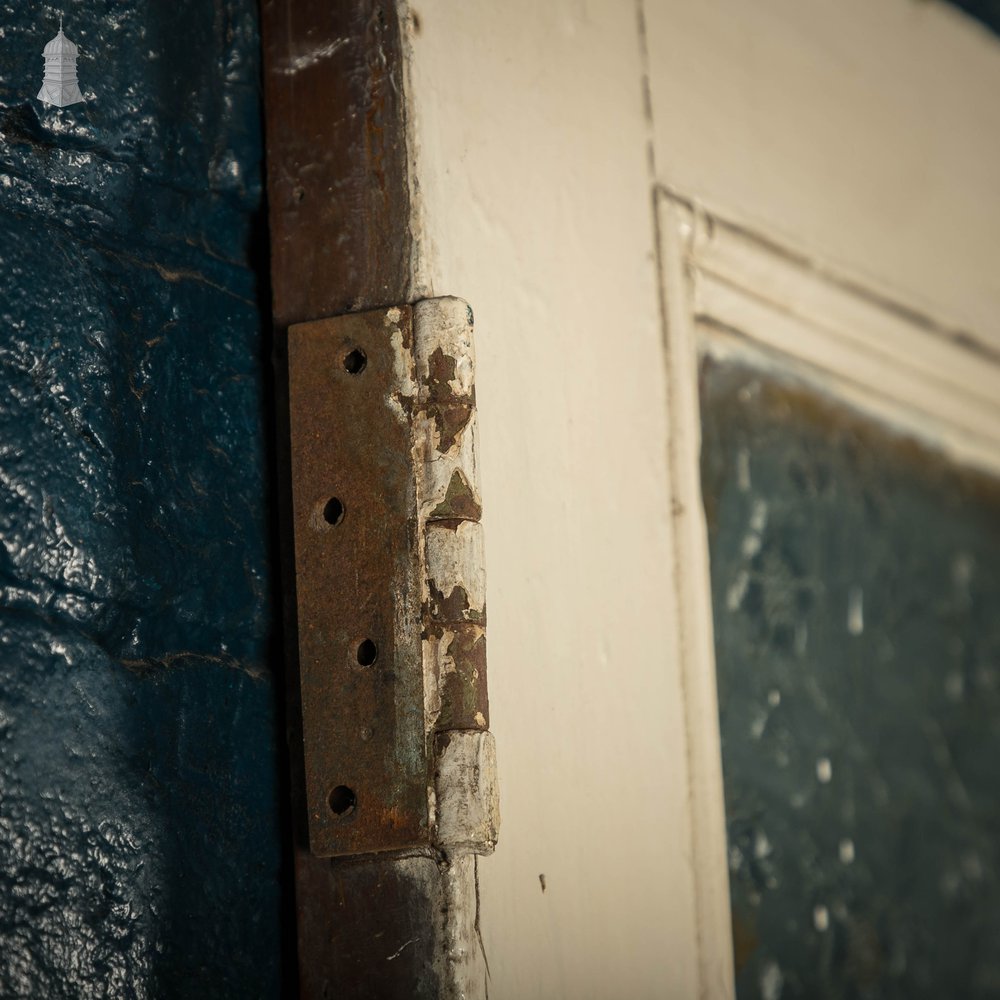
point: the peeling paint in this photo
(455, 678)
(459, 501)
(407, 730)
(445, 362)
(454, 553)
(407, 523)
(448, 444)
(454, 590)
(468, 801)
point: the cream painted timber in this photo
(529, 154)
(863, 132)
(903, 367)
(694, 648)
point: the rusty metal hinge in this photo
(390, 583)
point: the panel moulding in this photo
(727, 291)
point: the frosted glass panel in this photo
(856, 594)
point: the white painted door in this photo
(599, 179)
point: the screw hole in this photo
(367, 653)
(356, 361)
(333, 512)
(342, 801)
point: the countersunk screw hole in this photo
(356, 361)
(367, 653)
(333, 512)
(342, 801)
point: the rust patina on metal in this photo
(339, 217)
(402, 922)
(391, 602)
(454, 603)
(389, 571)
(358, 575)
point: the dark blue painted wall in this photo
(140, 848)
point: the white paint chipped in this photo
(463, 799)
(448, 321)
(468, 801)
(454, 558)
(440, 467)
(438, 665)
(402, 365)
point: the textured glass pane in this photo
(856, 584)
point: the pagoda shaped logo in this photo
(60, 86)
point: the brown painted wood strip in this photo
(340, 242)
(338, 198)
